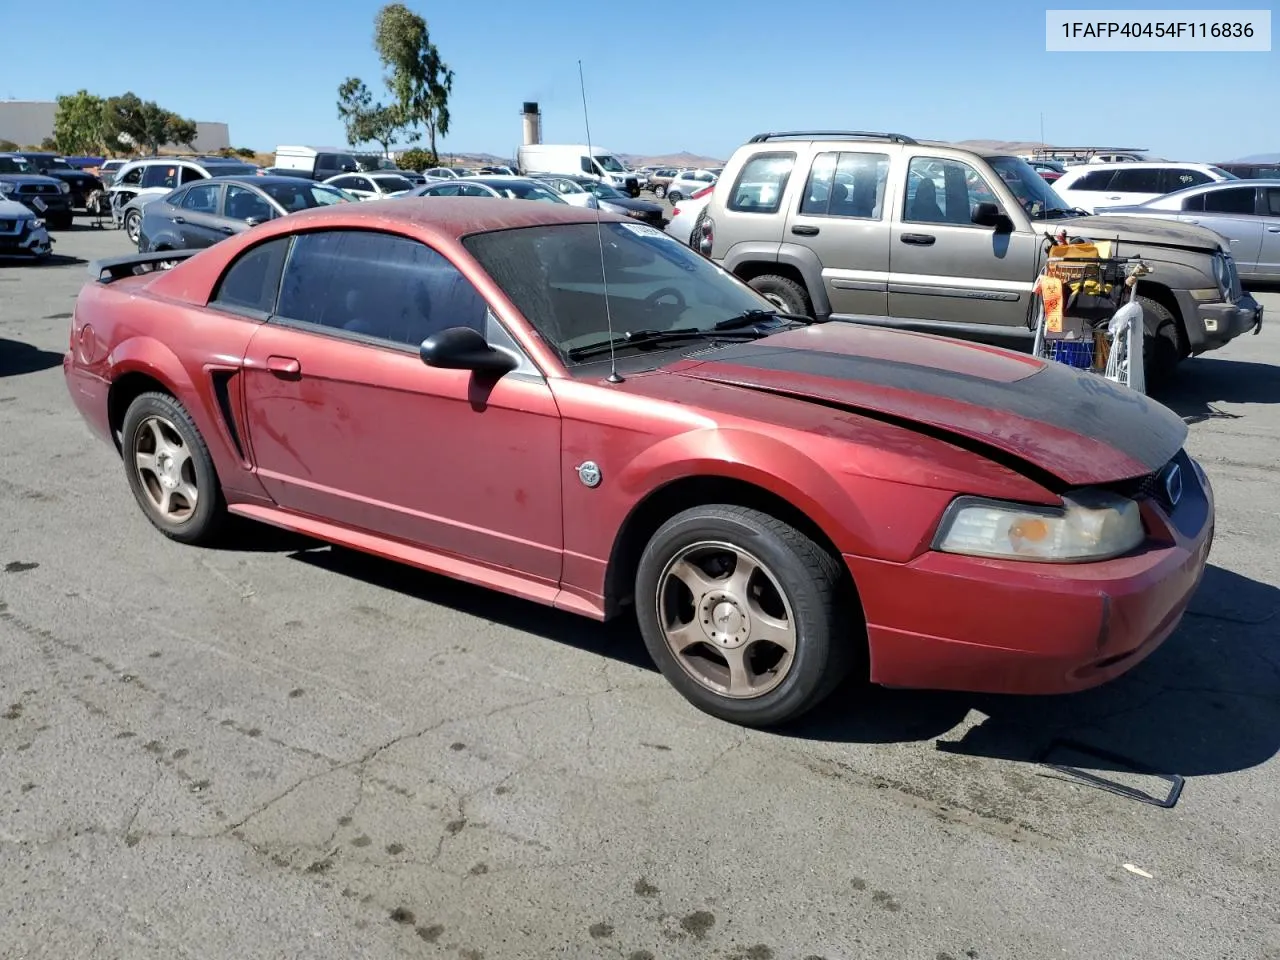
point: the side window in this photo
(1194, 203)
(1128, 180)
(378, 285)
(1094, 180)
(447, 190)
(472, 190)
(585, 163)
(1238, 200)
(251, 281)
(191, 174)
(202, 198)
(243, 204)
(1181, 179)
(160, 175)
(847, 185)
(133, 176)
(943, 191)
(1273, 202)
(761, 183)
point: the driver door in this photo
(347, 424)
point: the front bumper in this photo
(25, 240)
(996, 626)
(55, 204)
(1222, 322)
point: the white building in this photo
(28, 122)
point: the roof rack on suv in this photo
(831, 134)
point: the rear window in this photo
(761, 183)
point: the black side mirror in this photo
(989, 215)
(462, 348)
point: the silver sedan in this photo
(1244, 212)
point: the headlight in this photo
(1091, 525)
(638, 214)
(37, 224)
(64, 186)
(1222, 275)
(6, 187)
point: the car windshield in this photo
(1031, 190)
(303, 195)
(568, 186)
(1224, 174)
(609, 164)
(14, 165)
(553, 274)
(392, 184)
(526, 191)
(57, 163)
(231, 169)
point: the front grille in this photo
(1151, 486)
(33, 188)
(8, 226)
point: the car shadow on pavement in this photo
(618, 639)
(1204, 381)
(18, 358)
(1207, 702)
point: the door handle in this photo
(225, 229)
(1273, 229)
(178, 219)
(285, 366)
(800, 231)
(919, 239)
(1115, 198)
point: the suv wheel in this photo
(1162, 351)
(743, 614)
(660, 191)
(784, 293)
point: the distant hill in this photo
(683, 159)
(1259, 158)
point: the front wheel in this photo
(133, 226)
(660, 191)
(170, 471)
(1161, 349)
(744, 615)
(674, 197)
(784, 293)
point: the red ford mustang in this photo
(592, 416)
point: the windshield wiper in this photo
(646, 338)
(749, 318)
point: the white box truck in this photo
(576, 160)
(320, 163)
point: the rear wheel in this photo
(660, 191)
(170, 471)
(744, 614)
(784, 293)
(674, 197)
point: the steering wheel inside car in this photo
(653, 299)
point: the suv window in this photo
(202, 198)
(1094, 180)
(378, 285)
(943, 191)
(1236, 200)
(133, 176)
(1128, 180)
(846, 185)
(1273, 202)
(761, 183)
(160, 175)
(251, 281)
(190, 174)
(1175, 179)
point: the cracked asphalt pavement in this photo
(287, 750)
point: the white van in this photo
(576, 160)
(320, 163)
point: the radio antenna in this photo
(604, 275)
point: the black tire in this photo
(205, 522)
(813, 583)
(783, 292)
(674, 198)
(1162, 347)
(133, 225)
(660, 191)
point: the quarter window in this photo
(1238, 200)
(761, 183)
(251, 282)
(190, 174)
(1181, 179)
(243, 204)
(846, 185)
(377, 285)
(1273, 202)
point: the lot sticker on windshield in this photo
(643, 230)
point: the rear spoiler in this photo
(117, 268)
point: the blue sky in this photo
(659, 80)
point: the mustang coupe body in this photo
(574, 408)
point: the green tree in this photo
(365, 120)
(419, 80)
(145, 124)
(79, 123)
(7, 145)
(415, 159)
